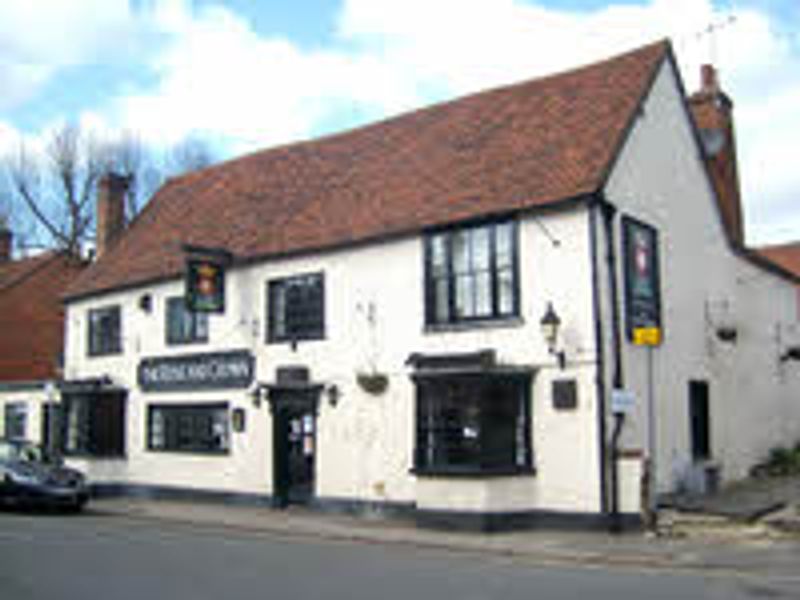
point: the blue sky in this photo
(246, 75)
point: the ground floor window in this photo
(188, 428)
(15, 415)
(477, 423)
(94, 424)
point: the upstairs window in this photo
(471, 274)
(105, 331)
(183, 325)
(296, 308)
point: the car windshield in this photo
(21, 451)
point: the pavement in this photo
(724, 551)
(747, 500)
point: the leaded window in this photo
(201, 428)
(471, 274)
(183, 325)
(473, 424)
(16, 418)
(105, 331)
(296, 308)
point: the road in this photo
(90, 557)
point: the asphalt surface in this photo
(105, 555)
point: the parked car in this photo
(28, 476)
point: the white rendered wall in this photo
(365, 443)
(660, 180)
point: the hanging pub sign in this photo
(642, 285)
(205, 279)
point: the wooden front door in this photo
(294, 449)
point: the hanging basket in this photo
(372, 383)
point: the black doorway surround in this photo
(294, 403)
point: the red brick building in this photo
(31, 333)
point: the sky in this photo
(244, 75)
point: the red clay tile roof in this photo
(786, 256)
(32, 315)
(503, 150)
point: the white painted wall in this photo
(365, 443)
(660, 180)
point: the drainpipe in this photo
(600, 350)
(608, 212)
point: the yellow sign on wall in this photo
(647, 336)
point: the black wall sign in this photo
(642, 284)
(207, 371)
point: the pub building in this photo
(532, 304)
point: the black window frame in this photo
(94, 425)
(474, 434)
(194, 327)
(15, 420)
(303, 322)
(104, 331)
(442, 288)
(194, 422)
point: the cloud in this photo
(218, 77)
(214, 75)
(37, 41)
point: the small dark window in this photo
(471, 274)
(105, 331)
(201, 428)
(16, 418)
(296, 308)
(94, 424)
(473, 424)
(183, 325)
(700, 420)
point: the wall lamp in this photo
(334, 394)
(259, 393)
(550, 325)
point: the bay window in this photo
(473, 424)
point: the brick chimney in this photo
(712, 110)
(110, 210)
(6, 243)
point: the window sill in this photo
(90, 456)
(503, 323)
(294, 341)
(472, 472)
(186, 342)
(190, 452)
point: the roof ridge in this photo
(509, 148)
(496, 89)
(36, 263)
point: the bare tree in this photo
(58, 185)
(190, 154)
